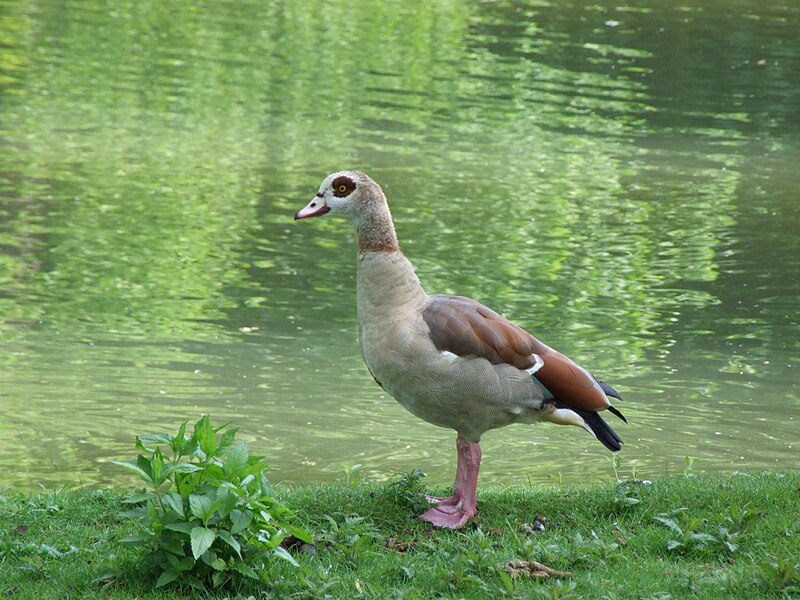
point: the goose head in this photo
(355, 196)
(346, 193)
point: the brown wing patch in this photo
(570, 382)
(468, 328)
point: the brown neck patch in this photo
(369, 245)
(376, 232)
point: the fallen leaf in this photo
(529, 568)
(399, 545)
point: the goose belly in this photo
(469, 394)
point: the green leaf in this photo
(202, 538)
(184, 486)
(196, 584)
(209, 556)
(218, 578)
(240, 520)
(673, 544)
(136, 498)
(172, 559)
(190, 447)
(300, 533)
(166, 577)
(186, 468)
(181, 526)
(505, 580)
(671, 523)
(175, 502)
(153, 513)
(179, 440)
(134, 469)
(226, 500)
(170, 543)
(158, 438)
(274, 539)
(231, 541)
(200, 505)
(144, 465)
(157, 468)
(284, 554)
(245, 570)
(704, 538)
(206, 436)
(219, 565)
(140, 512)
(236, 461)
(138, 539)
(263, 482)
(226, 440)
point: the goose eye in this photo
(343, 186)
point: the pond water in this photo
(619, 179)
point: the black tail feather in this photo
(602, 430)
(617, 413)
(608, 390)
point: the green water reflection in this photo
(621, 180)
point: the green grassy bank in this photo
(733, 536)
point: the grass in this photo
(733, 536)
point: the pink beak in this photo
(316, 208)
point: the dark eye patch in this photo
(343, 186)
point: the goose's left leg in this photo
(456, 510)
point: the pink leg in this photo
(459, 482)
(455, 511)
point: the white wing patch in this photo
(450, 355)
(538, 364)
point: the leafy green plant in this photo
(782, 575)
(352, 474)
(209, 514)
(741, 517)
(576, 551)
(689, 535)
(408, 492)
(625, 496)
(615, 462)
(31, 556)
(471, 567)
(594, 550)
(350, 534)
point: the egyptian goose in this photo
(448, 359)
